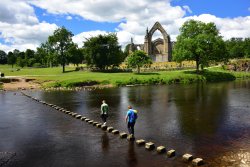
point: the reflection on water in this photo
(132, 158)
(206, 120)
(105, 142)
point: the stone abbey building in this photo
(160, 50)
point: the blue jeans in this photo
(131, 127)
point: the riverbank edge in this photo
(191, 77)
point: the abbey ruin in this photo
(160, 50)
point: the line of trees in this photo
(201, 42)
(102, 52)
(197, 41)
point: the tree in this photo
(137, 59)
(46, 55)
(235, 47)
(247, 47)
(61, 40)
(103, 51)
(200, 42)
(3, 57)
(29, 57)
(20, 62)
(11, 59)
(75, 54)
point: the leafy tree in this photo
(29, 57)
(137, 59)
(60, 41)
(20, 62)
(235, 47)
(11, 59)
(3, 57)
(46, 55)
(103, 51)
(75, 54)
(200, 42)
(247, 47)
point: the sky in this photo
(25, 24)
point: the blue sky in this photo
(27, 23)
(219, 8)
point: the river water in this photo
(210, 121)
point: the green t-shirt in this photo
(104, 108)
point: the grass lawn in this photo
(53, 77)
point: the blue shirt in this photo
(132, 115)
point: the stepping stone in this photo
(130, 138)
(161, 149)
(123, 135)
(87, 120)
(171, 153)
(149, 146)
(140, 142)
(110, 129)
(94, 123)
(187, 157)
(104, 127)
(83, 118)
(74, 114)
(115, 131)
(197, 162)
(67, 112)
(91, 121)
(78, 116)
(98, 125)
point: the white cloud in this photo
(20, 36)
(80, 38)
(69, 18)
(235, 27)
(20, 26)
(187, 8)
(13, 11)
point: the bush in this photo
(37, 65)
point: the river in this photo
(210, 121)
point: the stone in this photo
(91, 121)
(104, 127)
(140, 142)
(197, 161)
(74, 114)
(87, 120)
(123, 135)
(149, 146)
(115, 131)
(98, 125)
(67, 112)
(130, 138)
(187, 157)
(94, 123)
(110, 129)
(83, 118)
(161, 149)
(78, 116)
(171, 153)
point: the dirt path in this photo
(22, 83)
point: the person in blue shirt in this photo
(130, 120)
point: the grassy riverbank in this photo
(53, 77)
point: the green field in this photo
(53, 77)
